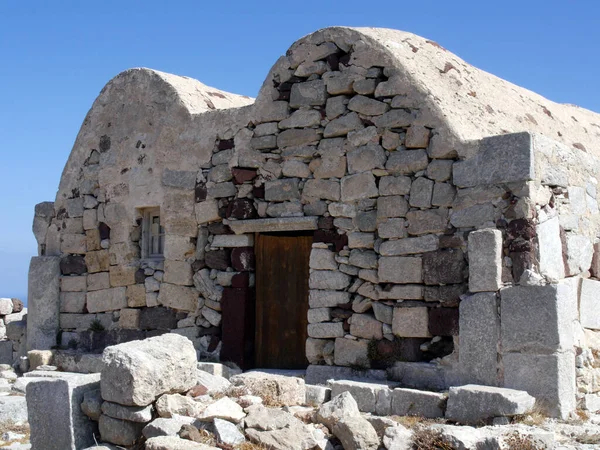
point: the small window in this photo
(153, 234)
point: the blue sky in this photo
(57, 56)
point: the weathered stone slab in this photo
(107, 299)
(55, 416)
(276, 224)
(316, 374)
(537, 319)
(119, 432)
(369, 397)
(137, 372)
(352, 353)
(412, 402)
(409, 246)
(419, 375)
(500, 159)
(400, 269)
(473, 404)
(485, 260)
(327, 299)
(285, 390)
(550, 250)
(356, 433)
(43, 302)
(174, 443)
(549, 378)
(178, 297)
(411, 322)
(589, 304)
(479, 337)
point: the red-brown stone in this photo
(443, 321)
(243, 175)
(238, 310)
(241, 208)
(242, 259)
(240, 280)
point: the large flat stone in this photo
(473, 404)
(282, 389)
(55, 416)
(321, 374)
(549, 378)
(275, 224)
(501, 159)
(550, 250)
(485, 260)
(370, 397)
(589, 304)
(479, 324)
(137, 372)
(538, 319)
(413, 402)
(43, 302)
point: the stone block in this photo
(224, 240)
(182, 298)
(287, 391)
(207, 211)
(322, 189)
(479, 338)
(122, 275)
(473, 404)
(97, 261)
(549, 378)
(129, 319)
(369, 397)
(119, 432)
(158, 318)
(6, 352)
(579, 252)
(419, 375)
(321, 374)
(392, 228)
(317, 395)
(341, 126)
(501, 159)
(298, 137)
(412, 402)
(107, 300)
(446, 266)
(72, 302)
(407, 162)
(322, 259)
(408, 246)
(367, 106)
(327, 299)
(538, 319)
(326, 330)
(328, 280)
(589, 304)
(391, 206)
(317, 315)
(411, 322)
(366, 158)
(136, 296)
(43, 302)
(282, 190)
(73, 284)
(550, 251)
(358, 186)
(427, 221)
(440, 170)
(443, 194)
(354, 353)
(485, 260)
(421, 193)
(243, 259)
(400, 269)
(365, 326)
(178, 272)
(309, 93)
(394, 185)
(137, 372)
(55, 417)
(475, 216)
(361, 240)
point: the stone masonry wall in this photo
(418, 255)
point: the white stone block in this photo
(485, 260)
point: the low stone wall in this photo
(13, 329)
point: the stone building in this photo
(381, 205)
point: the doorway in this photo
(282, 270)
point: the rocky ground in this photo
(261, 411)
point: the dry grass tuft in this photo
(16, 428)
(515, 441)
(413, 421)
(535, 418)
(427, 439)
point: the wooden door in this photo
(281, 300)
